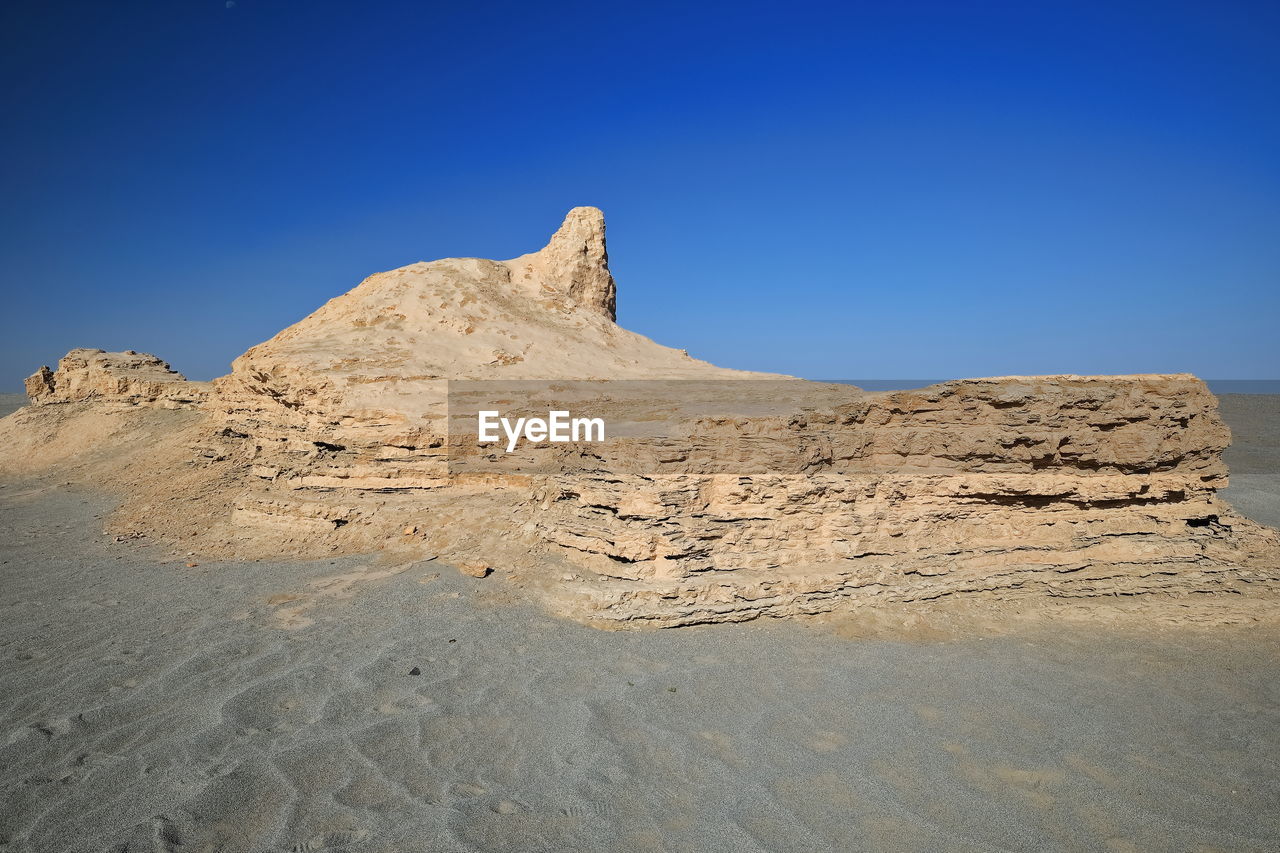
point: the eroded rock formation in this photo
(355, 394)
(130, 378)
(1068, 486)
(732, 495)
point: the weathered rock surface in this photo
(735, 495)
(1067, 486)
(355, 394)
(130, 378)
(575, 264)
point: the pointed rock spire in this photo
(575, 263)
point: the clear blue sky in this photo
(894, 189)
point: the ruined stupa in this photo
(737, 494)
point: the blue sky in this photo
(895, 189)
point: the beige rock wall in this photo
(1067, 486)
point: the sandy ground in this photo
(1254, 455)
(364, 706)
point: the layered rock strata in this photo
(728, 495)
(1066, 486)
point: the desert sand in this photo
(362, 705)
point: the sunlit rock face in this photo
(134, 378)
(731, 495)
(575, 264)
(1066, 485)
(368, 371)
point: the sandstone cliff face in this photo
(128, 377)
(735, 494)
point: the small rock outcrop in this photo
(130, 378)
